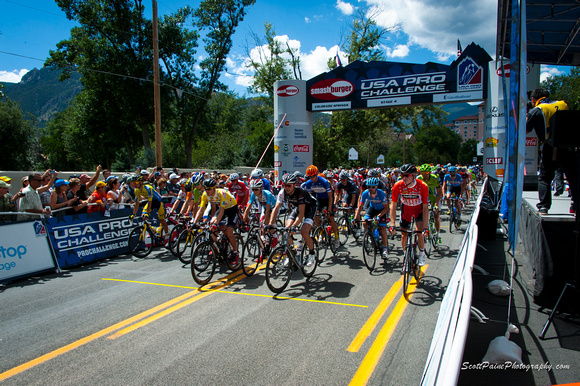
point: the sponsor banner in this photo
(287, 90)
(494, 161)
(24, 250)
(378, 84)
(82, 238)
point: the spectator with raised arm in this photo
(31, 201)
(6, 203)
(59, 199)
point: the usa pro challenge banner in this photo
(362, 85)
(83, 238)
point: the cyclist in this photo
(304, 208)
(239, 189)
(194, 190)
(263, 199)
(435, 192)
(223, 200)
(258, 174)
(453, 184)
(148, 192)
(378, 205)
(414, 203)
(324, 197)
(349, 187)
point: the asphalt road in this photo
(144, 321)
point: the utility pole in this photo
(156, 93)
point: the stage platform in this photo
(548, 246)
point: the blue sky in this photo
(421, 31)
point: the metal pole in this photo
(156, 93)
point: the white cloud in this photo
(307, 20)
(345, 8)
(548, 72)
(400, 51)
(437, 24)
(13, 76)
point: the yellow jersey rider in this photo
(226, 203)
(153, 201)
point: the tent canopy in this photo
(552, 31)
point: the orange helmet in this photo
(311, 171)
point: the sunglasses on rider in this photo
(288, 185)
(255, 189)
(405, 175)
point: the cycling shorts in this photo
(372, 213)
(156, 205)
(310, 212)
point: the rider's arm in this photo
(393, 213)
(439, 196)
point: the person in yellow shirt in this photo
(228, 208)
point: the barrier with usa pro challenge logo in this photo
(24, 250)
(83, 238)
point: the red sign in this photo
(331, 89)
(494, 161)
(277, 164)
(301, 148)
(287, 90)
(531, 141)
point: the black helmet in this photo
(209, 183)
(408, 168)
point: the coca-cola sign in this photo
(287, 90)
(531, 141)
(331, 89)
(301, 148)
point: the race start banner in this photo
(364, 85)
(82, 238)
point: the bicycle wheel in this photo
(174, 234)
(252, 255)
(343, 229)
(278, 270)
(428, 245)
(203, 262)
(140, 241)
(451, 219)
(184, 245)
(308, 271)
(416, 268)
(356, 229)
(369, 250)
(407, 266)
(232, 261)
(434, 235)
(319, 234)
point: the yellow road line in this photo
(376, 316)
(90, 338)
(373, 356)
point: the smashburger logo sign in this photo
(287, 91)
(331, 89)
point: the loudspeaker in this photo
(565, 129)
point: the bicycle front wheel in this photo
(252, 255)
(184, 245)
(140, 241)
(278, 270)
(343, 229)
(319, 234)
(203, 262)
(369, 250)
(451, 220)
(434, 236)
(307, 270)
(234, 261)
(174, 234)
(407, 258)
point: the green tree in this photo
(565, 87)
(467, 151)
(16, 130)
(437, 144)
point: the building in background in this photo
(469, 126)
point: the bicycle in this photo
(372, 243)
(144, 237)
(258, 247)
(347, 225)
(324, 236)
(188, 239)
(410, 259)
(284, 260)
(432, 241)
(453, 214)
(204, 257)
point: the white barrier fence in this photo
(444, 360)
